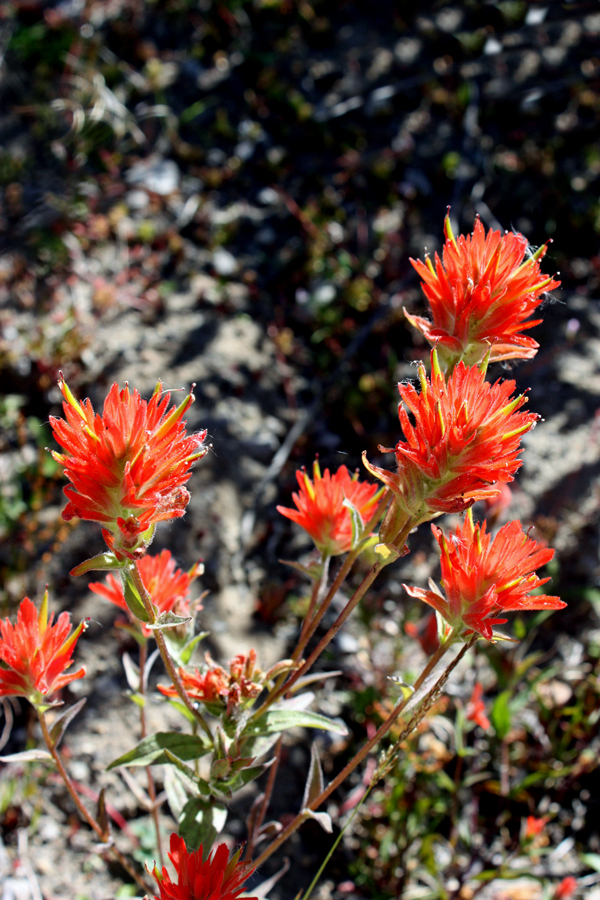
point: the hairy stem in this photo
(144, 731)
(85, 814)
(164, 652)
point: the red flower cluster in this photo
(128, 466)
(466, 437)
(216, 878)
(534, 827)
(482, 577)
(36, 653)
(320, 507)
(476, 708)
(481, 295)
(218, 688)
(565, 889)
(169, 588)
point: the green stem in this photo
(87, 816)
(144, 731)
(164, 652)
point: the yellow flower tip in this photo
(317, 470)
(308, 485)
(43, 613)
(157, 390)
(435, 363)
(422, 377)
(448, 228)
(483, 366)
(429, 264)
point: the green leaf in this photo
(201, 820)
(501, 715)
(314, 781)
(168, 620)
(592, 860)
(185, 654)
(100, 563)
(356, 521)
(28, 756)
(151, 751)
(62, 722)
(134, 601)
(199, 784)
(275, 720)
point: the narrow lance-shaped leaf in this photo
(151, 751)
(315, 781)
(198, 783)
(276, 720)
(62, 721)
(134, 601)
(101, 563)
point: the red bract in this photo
(37, 653)
(482, 577)
(217, 878)
(466, 437)
(321, 511)
(476, 708)
(169, 588)
(534, 827)
(128, 466)
(218, 688)
(481, 295)
(565, 889)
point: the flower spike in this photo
(36, 652)
(465, 438)
(216, 878)
(322, 511)
(482, 577)
(127, 467)
(482, 293)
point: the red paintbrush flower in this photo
(36, 653)
(482, 577)
(321, 511)
(476, 708)
(481, 294)
(534, 827)
(216, 878)
(219, 689)
(169, 588)
(466, 437)
(565, 889)
(128, 466)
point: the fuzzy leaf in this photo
(501, 714)
(275, 720)
(151, 751)
(200, 822)
(132, 672)
(134, 601)
(169, 620)
(62, 722)
(28, 756)
(314, 781)
(323, 818)
(198, 783)
(100, 563)
(356, 521)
